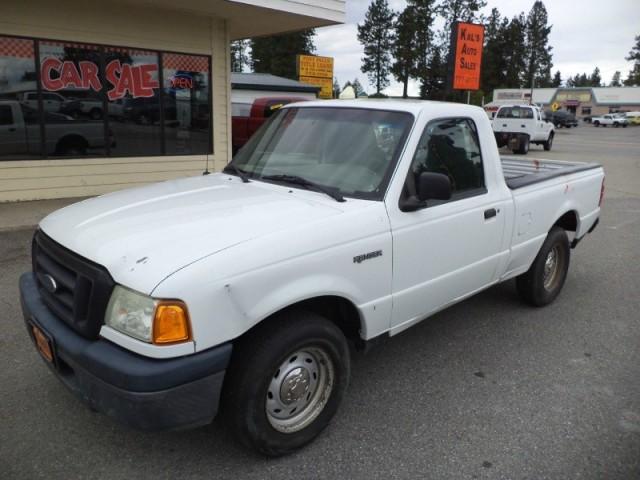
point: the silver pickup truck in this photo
(20, 133)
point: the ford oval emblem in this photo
(48, 282)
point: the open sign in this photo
(181, 81)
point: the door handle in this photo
(490, 213)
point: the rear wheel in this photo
(542, 283)
(547, 145)
(616, 124)
(596, 123)
(286, 381)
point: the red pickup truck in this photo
(245, 121)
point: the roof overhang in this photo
(255, 18)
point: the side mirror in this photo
(433, 186)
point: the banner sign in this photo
(317, 71)
(468, 42)
(135, 80)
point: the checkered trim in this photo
(131, 51)
(83, 46)
(16, 47)
(187, 63)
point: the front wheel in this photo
(286, 381)
(542, 283)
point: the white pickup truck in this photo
(619, 120)
(518, 126)
(242, 289)
(20, 133)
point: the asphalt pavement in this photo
(488, 389)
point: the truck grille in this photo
(75, 289)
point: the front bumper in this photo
(144, 393)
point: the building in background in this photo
(99, 96)
(581, 101)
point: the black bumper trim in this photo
(142, 392)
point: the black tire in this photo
(616, 124)
(534, 286)
(257, 362)
(524, 145)
(596, 123)
(547, 145)
(624, 125)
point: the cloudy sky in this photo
(585, 34)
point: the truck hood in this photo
(145, 234)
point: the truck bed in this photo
(521, 172)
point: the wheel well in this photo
(69, 140)
(568, 221)
(338, 310)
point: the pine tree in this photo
(514, 50)
(634, 56)
(404, 53)
(376, 35)
(336, 87)
(424, 45)
(557, 80)
(357, 88)
(277, 54)
(492, 72)
(595, 80)
(538, 52)
(239, 55)
(616, 80)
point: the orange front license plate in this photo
(43, 343)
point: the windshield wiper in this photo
(303, 182)
(238, 171)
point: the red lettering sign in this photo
(182, 83)
(136, 81)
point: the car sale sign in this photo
(467, 47)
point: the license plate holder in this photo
(43, 342)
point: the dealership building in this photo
(581, 101)
(100, 96)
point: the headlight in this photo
(131, 313)
(160, 322)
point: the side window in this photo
(6, 116)
(450, 146)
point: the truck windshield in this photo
(350, 150)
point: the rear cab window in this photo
(515, 112)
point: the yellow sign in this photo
(555, 106)
(312, 66)
(325, 84)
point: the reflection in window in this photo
(133, 96)
(450, 147)
(18, 140)
(72, 98)
(186, 103)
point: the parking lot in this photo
(489, 388)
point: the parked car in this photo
(20, 132)
(240, 291)
(518, 126)
(51, 101)
(610, 119)
(587, 118)
(633, 118)
(562, 118)
(247, 118)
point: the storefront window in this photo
(93, 100)
(186, 104)
(71, 80)
(133, 95)
(19, 133)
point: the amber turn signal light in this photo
(171, 323)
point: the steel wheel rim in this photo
(299, 389)
(552, 268)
